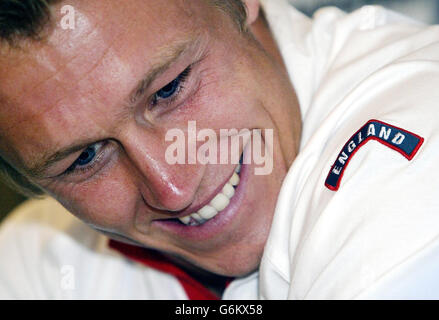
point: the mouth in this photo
(218, 204)
(213, 217)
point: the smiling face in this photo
(95, 103)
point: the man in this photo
(84, 117)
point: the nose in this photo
(164, 186)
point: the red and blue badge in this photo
(400, 140)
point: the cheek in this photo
(109, 202)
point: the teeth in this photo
(186, 220)
(208, 212)
(228, 190)
(216, 205)
(197, 217)
(234, 180)
(220, 202)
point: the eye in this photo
(86, 158)
(168, 90)
(93, 159)
(172, 88)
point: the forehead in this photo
(43, 86)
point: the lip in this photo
(214, 226)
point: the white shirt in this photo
(47, 253)
(375, 237)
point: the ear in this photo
(253, 8)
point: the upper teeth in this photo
(217, 204)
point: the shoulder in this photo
(42, 223)
(382, 65)
(39, 222)
(37, 240)
(377, 231)
(332, 52)
(47, 253)
(373, 123)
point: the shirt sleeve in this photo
(377, 235)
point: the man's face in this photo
(77, 100)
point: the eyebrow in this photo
(38, 170)
(168, 55)
(171, 54)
